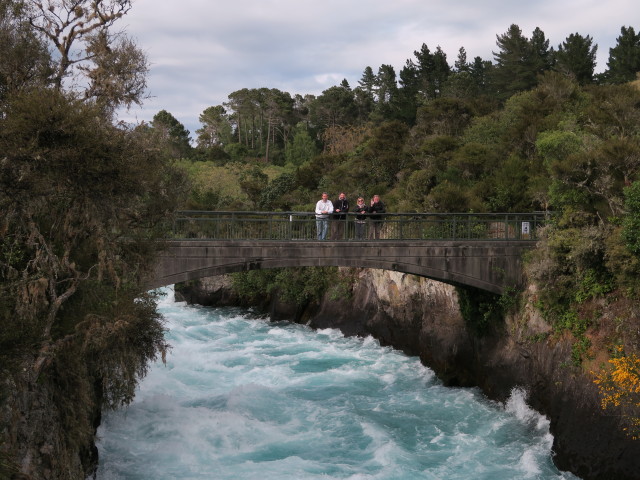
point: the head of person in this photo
(376, 198)
(325, 196)
(342, 196)
(360, 200)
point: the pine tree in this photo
(518, 61)
(576, 56)
(624, 58)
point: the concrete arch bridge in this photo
(478, 250)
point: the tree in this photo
(83, 203)
(252, 182)
(368, 81)
(263, 118)
(541, 55)
(104, 66)
(278, 109)
(624, 57)
(461, 64)
(631, 220)
(518, 61)
(385, 86)
(25, 61)
(216, 129)
(427, 74)
(335, 107)
(386, 90)
(441, 71)
(301, 149)
(172, 133)
(383, 152)
(576, 56)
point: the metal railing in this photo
(293, 226)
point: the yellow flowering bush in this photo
(619, 386)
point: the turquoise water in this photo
(241, 398)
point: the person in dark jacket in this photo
(376, 208)
(361, 211)
(340, 210)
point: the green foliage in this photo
(482, 311)
(577, 56)
(570, 320)
(301, 149)
(253, 182)
(254, 286)
(557, 145)
(631, 220)
(275, 196)
(580, 351)
(215, 154)
(593, 284)
(79, 220)
(622, 263)
(172, 135)
(624, 57)
(298, 286)
(518, 61)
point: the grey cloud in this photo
(200, 51)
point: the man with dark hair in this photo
(340, 210)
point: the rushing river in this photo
(241, 398)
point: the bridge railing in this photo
(394, 226)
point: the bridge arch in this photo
(487, 265)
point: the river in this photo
(244, 398)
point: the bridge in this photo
(478, 250)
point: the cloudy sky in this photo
(202, 50)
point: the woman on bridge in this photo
(361, 211)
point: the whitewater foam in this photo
(242, 398)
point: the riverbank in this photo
(422, 317)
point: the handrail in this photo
(296, 226)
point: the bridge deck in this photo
(491, 266)
(479, 250)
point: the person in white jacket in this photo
(324, 208)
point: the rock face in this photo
(38, 433)
(422, 317)
(207, 292)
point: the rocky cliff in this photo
(422, 317)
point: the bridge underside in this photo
(492, 266)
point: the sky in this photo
(200, 51)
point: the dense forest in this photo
(84, 198)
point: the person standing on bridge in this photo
(376, 208)
(340, 210)
(324, 208)
(361, 211)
